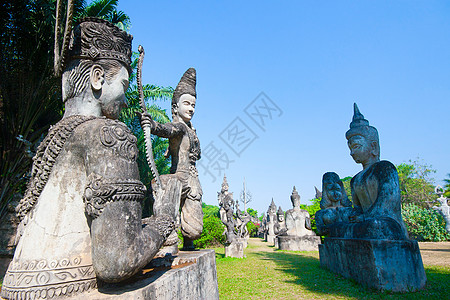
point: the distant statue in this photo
(280, 225)
(184, 148)
(226, 204)
(81, 214)
(443, 208)
(335, 205)
(298, 221)
(270, 222)
(298, 235)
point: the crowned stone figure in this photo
(226, 204)
(184, 148)
(81, 214)
(299, 236)
(270, 223)
(369, 243)
(443, 208)
(335, 205)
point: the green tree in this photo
(312, 209)
(252, 212)
(210, 210)
(416, 183)
(447, 186)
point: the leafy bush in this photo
(252, 229)
(312, 209)
(424, 224)
(212, 234)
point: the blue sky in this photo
(311, 60)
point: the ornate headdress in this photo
(280, 211)
(96, 39)
(360, 126)
(186, 85)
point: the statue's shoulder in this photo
(384, 167)
(101, 133)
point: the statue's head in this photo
(295, 198)
(98, 62)
(184, 97)
(224, 184)
(280, 214)
(332, 188)
(363, 140)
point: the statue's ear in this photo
(375, 149)
(97, 77)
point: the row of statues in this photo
(290, 230)
(81, 214)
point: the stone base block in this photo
(270, 239)
(298, 243)
(235, 249)
(193, 275)
(379, 264)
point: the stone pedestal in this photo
(298, 243)
(193, 275)
(235, 249)
(379, 264)
(270, 239)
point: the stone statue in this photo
(375, 190)
(443, 208)
(184, 148)
(335, 205)
(226, 204)
(270, 223)
(280, 225)
(298, 221)
(368, 243)
(298, 235)
(81, 214)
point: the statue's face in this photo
(186, 107)
(360, 149)
(280, 218)
(333, 190)
(112, 98)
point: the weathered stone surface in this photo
(235, 249)
(81, 215)
(298, 243)
(369, 241)
(184, 149)
(271, 239)
(193, 276)
(380, 264)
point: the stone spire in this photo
(318, 193)
(272, 207)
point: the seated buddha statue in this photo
(375, 190)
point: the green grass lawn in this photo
(269, 274)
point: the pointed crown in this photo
(272, 207)
(225, 183)
(96, 39)
(295, 195)
(186, 85)
(360, 126)
(280, 211)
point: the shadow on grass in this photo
(307, 272)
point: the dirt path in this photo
(432, 253)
